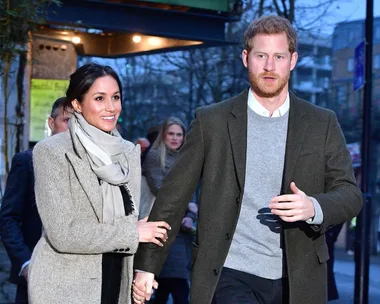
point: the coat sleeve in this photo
(153, 172)
(13, 210)
(174, 195)
(66, 231)
(342, 199)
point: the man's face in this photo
(269, 63)
(60, 123)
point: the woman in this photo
(175, 274)
(87, 183)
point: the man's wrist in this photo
(23, 267)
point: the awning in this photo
(122, 28)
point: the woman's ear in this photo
(76, 106)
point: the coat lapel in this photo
(297, 128)
(237, 127)
(86, 176)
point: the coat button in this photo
(228, 236)
(238, 200)
(215, 272)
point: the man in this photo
(20, 224)
(275, 175)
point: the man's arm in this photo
(341, 200)
(12, 210)
(173, 198)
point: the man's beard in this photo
(266, 91)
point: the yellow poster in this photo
(43, 93)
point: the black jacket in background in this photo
(20, 224)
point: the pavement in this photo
(344, 268)
(344, 274)
(7, 290)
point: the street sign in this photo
(359, 66)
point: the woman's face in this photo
(173, 137)
(101, 105)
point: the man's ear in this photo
(51, 124)
(293, 60)
(76, 106)
(244, 57)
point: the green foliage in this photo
(17, 18)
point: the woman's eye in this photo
(116, 97)
(99, 98)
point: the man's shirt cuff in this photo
(22, 267)
(318, 216)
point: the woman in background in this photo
(175, 275)
(87, 183)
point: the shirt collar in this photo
(258, 108)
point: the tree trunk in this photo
(20, 101)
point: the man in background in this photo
(144, 145)
(20, 224)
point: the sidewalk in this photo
(344, 267)
(7, 290)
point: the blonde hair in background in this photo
(159, 143)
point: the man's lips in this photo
(269, 77)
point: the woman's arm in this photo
(66, 231)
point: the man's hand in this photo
(142, 287)
(25, 272)
(154, 232)
(293, 207)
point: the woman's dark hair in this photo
(84, 77)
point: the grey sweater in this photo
(256, 247)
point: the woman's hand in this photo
(187, 224)
(193, 207)
(152, 232)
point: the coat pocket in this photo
(322, 253)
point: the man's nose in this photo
(269, 64)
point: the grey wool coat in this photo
(316, 159)
(66, 265)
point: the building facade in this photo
(347, 102)
(312, 75)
